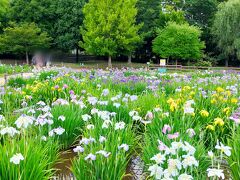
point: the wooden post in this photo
(109, 61)
(27, 58)
(129, 59)
(5, 79)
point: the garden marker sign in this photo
(162, 64)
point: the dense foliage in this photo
(66, 27)
(109, 26)
(128, 28)
(23, 38)
(179, 41)
(226, 29)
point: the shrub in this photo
(203, 63)
(47, 75)
(179, 41)
(16, 82)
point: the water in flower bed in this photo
(135, 169)
(63, 167)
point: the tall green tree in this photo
(171, 11)
(109, 26)
(155, 14)
(41, 12)
(61, 19)
(4, 5)
(148, 14)
(201, 13)
(23, 38)
(69, 19)
(179, 41)
(226, 29)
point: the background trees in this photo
(23, 38)
(179, 41)
(226, 29)
(154, 14)
(114, 28)
(201, 13)
(59, 18)
(67, 25)
(4, 5)
(109, 26)
(41, 13)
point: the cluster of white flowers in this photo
(92, 100)
(45, 117)
(86, 117)
(105, 92)
(116, 98)
(60, 102)
(24, 121)
(92, 156)
(178, 158)
(188, 109)
(135, 116)
(62, 118)
(128, 97)
(86, 141)
(57, 131)
(104, 115)
(16, 158)
(11, 131)
(119, 125)
(222, 150)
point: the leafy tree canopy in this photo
(226, 28)
(23, 38)
(69, 19)
(41, 13)
(155, 14)
(109, 26)
(4, 5)
(178, 41)
(61, 19)
(200, 12)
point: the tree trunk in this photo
(27, 58)
(77, 57)
(109, 62)
(129, 59)
(226, 62)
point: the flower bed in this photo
(171, 126)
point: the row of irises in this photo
(101, 119)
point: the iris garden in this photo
(180, 125)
